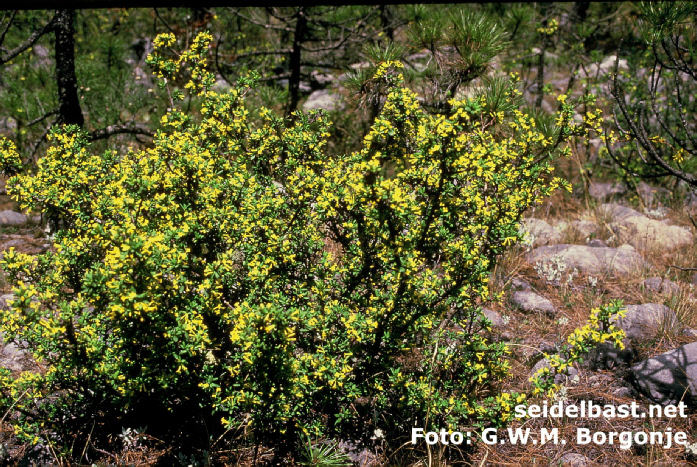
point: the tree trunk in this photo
(69, 111)
(295, 56)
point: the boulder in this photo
(541, 232)
(661, 286)
(589, 260)
(596, 243)
(519, 284)
(585, 228)
(322, 99)
(12, 218)
(617, 212)
(652, 195)
(631, 226)
(12, 357)
(533, 303)
(643, 232)
(607, 66)
(4, 299)
(603, 190)
(670, 377)
(642, 321)
(494, 317)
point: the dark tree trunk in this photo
(581, 10)
(69, 111)
(295, 57)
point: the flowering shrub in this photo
(237, 268)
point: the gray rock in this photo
(608, 63)
(549, 56)
(559, 378)
(670, 377)
(622, 392)
(689, 332)
(585, 228)
(541, 231)
(572, 459)
(652, 194)
(642, 321)
(322, 99)
(693, 281)
(643, 232)
(221, 86)
(662, 286)
(4, 299)
(494, 317)
(607, 66)
(323, 79)
(690, 200)
(8, 124)
(358, 454)
(603, 190)
(596, 243)
(533, 303)
(617, 212)
(519, 284)
(12, 357)
(12, 218)
(605, 356)
(589, 260)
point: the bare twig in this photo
(129, 128)
(36, 35)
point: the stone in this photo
(596, 243)
(589, 260)
(661, 286)
(12, 218)
(617, 212)
(549, 56)
(631, 226)
(4, 299)
(358, 454)
(494, 317)
(12, 357)
(541, 232)
(585, 228)
(689, 332)
(643, 233)
(643, 321)
(651, 195)
(603, 190)
(670, 377)
(533, 303)
(572, 459)
(322, 99)
(322, 79)
(608, 63)
(607, 66)
(519, 284)
(605, 356)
